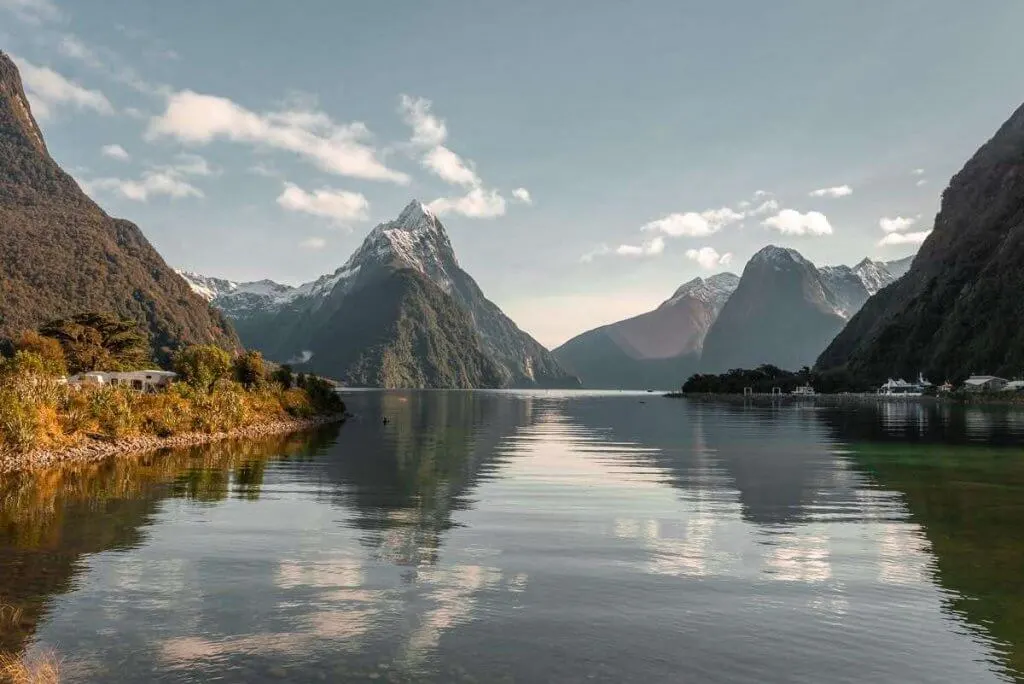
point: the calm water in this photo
(510, 537)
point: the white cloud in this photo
(115, 152)
(427, 129)
(339, 205)
(766, 207)
(32, 11)
(792, 222)
(650, 248)
(313, 243)
(904, 238)
(896, 225)
(264, 170)
(450, 167)
(708, 257)
(837, 191)
(523, 195)
(340, 149)
(477, 203)
(600, 250)
(72, 47)
(921, 183)
(192, 165)
(693, 224)
(153, 183)
(918, 172)
(47, 90)
(761, 193)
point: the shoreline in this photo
(982, 399)
(95, 450)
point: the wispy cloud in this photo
(313, 243)
(32, 11)
(152, 183)
(522, 195)
(167, 180)
(792, 222)
(477, 203)
(694, 224)
(339, 205)
(115, 152)
(921, 183)
(837, 191)
(897, 224)
(904, 238)
(429, 134)
(48, 90)
(918, 172)
(709, 258)
(342, 149)
(652, 247)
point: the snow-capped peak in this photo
(713, 290)
(779, 257)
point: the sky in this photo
(587, 157)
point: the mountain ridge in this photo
(283, 320)
(63, 255)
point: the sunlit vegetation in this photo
(35, 668)
(217, 392)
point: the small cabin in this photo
(142, 380)
(984, 383)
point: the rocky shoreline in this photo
(96, 450)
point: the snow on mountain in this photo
(714, 290)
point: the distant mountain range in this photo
(959, 308)
(400, 312)
(782, 311)
(785, 310)
(62, 255)
(657, 349)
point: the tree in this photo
(284, 376)
(97, 341)
(249, 368)
(49, 351)
(202, 365)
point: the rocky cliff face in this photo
(959, 307)
(313, 322)
(61, 254)
(654, 350)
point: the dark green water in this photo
(546, 537)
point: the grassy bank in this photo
(40, 412)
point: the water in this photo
(545, 537)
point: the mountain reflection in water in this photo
(508, 536)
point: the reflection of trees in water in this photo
(50, 519)
(968, 501)
(404, 479)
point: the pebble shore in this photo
(95, 450)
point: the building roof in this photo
(981, 379)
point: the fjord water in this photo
(532, 537)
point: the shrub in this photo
(249, 369)
(202, 365)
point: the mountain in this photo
(654, 349)
(400, 312)
(959, 307)
(783, 312)
(63, 255)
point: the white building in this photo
(143, 380)
(984, 383)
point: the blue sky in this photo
(652, 139)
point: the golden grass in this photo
(10, 616)
(36, 668)
(38, 412)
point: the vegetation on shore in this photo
(216, 392)
(765, 378)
